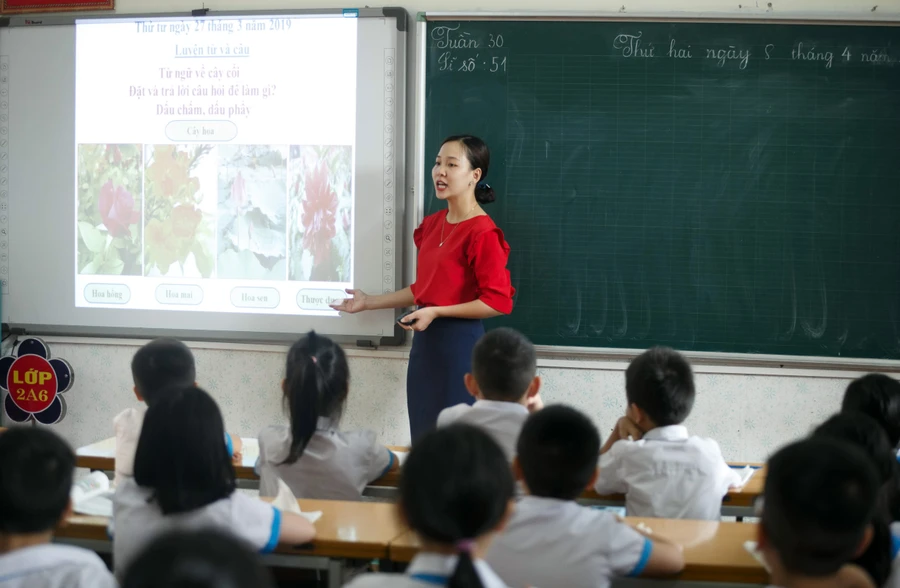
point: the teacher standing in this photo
(461, 278)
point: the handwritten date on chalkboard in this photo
(634, 46)
(461, 51)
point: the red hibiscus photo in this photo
(320, 214)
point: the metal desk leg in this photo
(335, 573)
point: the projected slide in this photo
(215, 163)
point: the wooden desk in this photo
(735, 503)
(358, 530)
(713, 552)
(346, 530)
(102, 456)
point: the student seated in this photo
(663, 471)
(819, 499)
(198, 559)
(506, 387)
(878, 396)
(456, 493)
(551, 540)
(184, 479)
(865, 433)
(36, 469)
(312, 455)
(159, 365)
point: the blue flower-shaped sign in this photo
(34, 383)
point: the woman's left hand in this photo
(423, 318)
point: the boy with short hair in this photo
(663, 471)
(819, 499)
(506, 387)
(36, 469)
(551, 540)
(159, 365)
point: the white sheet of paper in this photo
(750, 546)
(286, 502)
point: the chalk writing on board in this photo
(810, 53)
(633, 46)
(453, 58)
(877, 56)
(450, 37)
(731, 53)
(447, 61)
(677, 52)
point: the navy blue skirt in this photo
(440, 358)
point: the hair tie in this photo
(314, 358)
(465, 545)
(483, 186)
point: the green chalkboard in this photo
(709, 186)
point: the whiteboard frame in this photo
(398, 175)
(567, 354)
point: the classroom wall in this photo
(750, 411)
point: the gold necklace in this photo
(441, 244)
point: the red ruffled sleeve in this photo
(487, 254)
(419, 233)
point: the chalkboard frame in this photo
(561, 356)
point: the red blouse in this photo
(471, 265)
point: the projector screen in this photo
(223, 175)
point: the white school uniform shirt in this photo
(502, 420)
(127, 425)
(894, 579)
(667, 474)
(54, 566)
(427, 570)
(137, 521)
(335, 465)
(550, 542)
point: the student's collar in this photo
(668, 433)
(324, 424)
(502, 405)
(435, 569)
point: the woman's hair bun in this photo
(484, 194)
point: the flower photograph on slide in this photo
(109, 209)
(252, 241)
(179, 211)
(320, 213)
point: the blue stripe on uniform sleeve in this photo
(276, 532)
(389, 465)
(645, 557)
(895, 547)
(229, 445)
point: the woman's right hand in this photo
(357, 302)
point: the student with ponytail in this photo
(313, 457)
(461, 278)
(456, 494)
